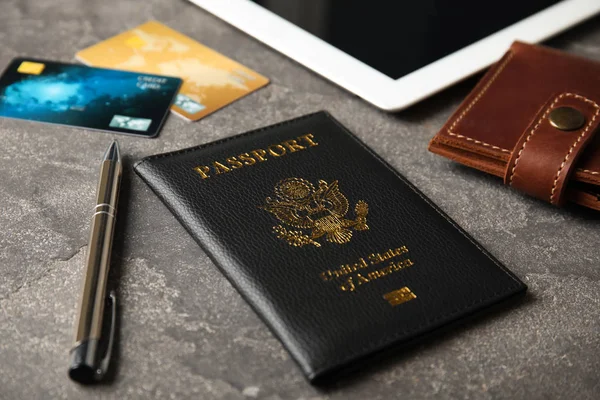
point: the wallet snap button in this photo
(566, 118)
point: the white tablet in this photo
(393, 53)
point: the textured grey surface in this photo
(184, 332)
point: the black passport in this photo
(339, 254)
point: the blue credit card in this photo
(87, 97)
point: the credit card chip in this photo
(30, 67)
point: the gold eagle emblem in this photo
(322, 211)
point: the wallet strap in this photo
(545, 155)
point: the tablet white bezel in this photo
(373, 86)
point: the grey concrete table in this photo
(184, 331)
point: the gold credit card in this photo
(210, 80)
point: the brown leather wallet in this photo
(532, 120)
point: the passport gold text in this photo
(256, 156)
(368, 269)
(363, 262)
(353, 282)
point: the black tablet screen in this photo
(397, 37)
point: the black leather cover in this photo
(343, 261)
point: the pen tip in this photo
(113, 153)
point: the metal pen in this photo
(87, 363)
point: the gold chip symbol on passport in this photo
(30, 67)
(399, 296)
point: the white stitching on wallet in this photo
(479, 96)
(512, 171)
(475, 100)
(588, 171)
(585, 131)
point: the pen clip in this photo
(103, 366)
